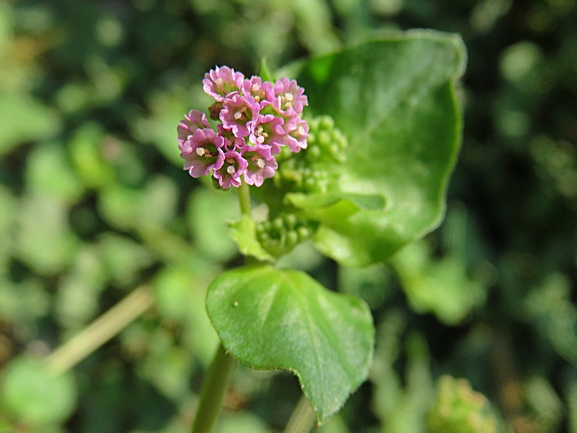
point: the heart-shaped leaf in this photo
(395, 100)
(283, 319)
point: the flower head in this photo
(256, 120)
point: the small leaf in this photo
(283, 319)
(265, 73)
(329, 209)
(243, 232)
(333, 208)
(312, 201)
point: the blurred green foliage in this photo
(93, 203)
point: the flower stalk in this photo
(244, 200)
(212, 392)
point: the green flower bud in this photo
(284, 233)
(292, 239)
(303, 233)
(291, 220)
(278, 224)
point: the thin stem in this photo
(212, 392)
(101, 330)
(246, 210)
(244, 199)
(216, 380)
(302, 418)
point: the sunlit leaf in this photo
(395, 100)
(276, 319)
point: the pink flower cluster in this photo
(256, 119)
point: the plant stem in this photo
(216, 380)
(101, 330)
(302, 418)
(212, 392)
(244, 199)
(246, 211)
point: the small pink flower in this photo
(219, 82)
(257, 89)
(268, 129)
(192, 121)
(289, 98)
(297, 134)
(238, 113)
(202, 152)
(261, 164)
(232, 169)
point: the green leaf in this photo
(312, 201)
(86, 151)
(265, 73)
(283, 319)
(395, 101)
(243, 232)
(439, 286)
(43, 220)
(331, 209)
(47, 172)
(35, 395)
(17, 111)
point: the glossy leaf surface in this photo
(395, 101)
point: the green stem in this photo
(244, 199)
(246, 210)
(302, 419)
(212, 392)
(101, 330)
(216, 380)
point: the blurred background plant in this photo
(95, 211)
